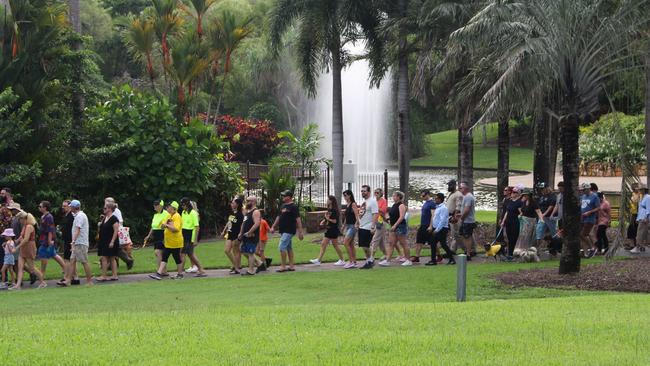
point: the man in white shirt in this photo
(80, 244)
(368, 215)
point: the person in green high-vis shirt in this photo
(156, 234)
(190, 218)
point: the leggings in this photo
(601, 237)
(174, 252)
(512, 232)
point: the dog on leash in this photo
(529, 255)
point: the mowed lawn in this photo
(442, 151)
(380, 317)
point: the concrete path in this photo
(605, 184)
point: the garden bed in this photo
(621, 275)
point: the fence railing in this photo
(317, 184)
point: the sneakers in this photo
(178, 276)
(590, 253)
(340, 262)
(315, 261)
(384, 263)
(156, 276)
(193, 269)
(431, 263)
(407, 263)
(635, 250)
(368, 265)
(3, 286)
(42, 285)
(350, 265)
(401, 259)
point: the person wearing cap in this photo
(440, 226)
(425, 230)
(156, 233)
(233, 228)
(589, 207)
(8, 247)
(643, 220)
(529, 212)
(547, 202)
(289, 224)
(173, 242)
(66, 235)
(190, 217)
(80, 243)
(510, 222)
(249, 235)
(108, 245)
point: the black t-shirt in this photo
(248, 224)
(288, 215)
(546, 201)
(333, 215)
(529, 209)
(393, 214)
(66, 228)
(512, 208)
(235, 225)
(350, 218)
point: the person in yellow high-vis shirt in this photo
(173, 242)
(190, 217)
(156, 234)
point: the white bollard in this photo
(461, 277)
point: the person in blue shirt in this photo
(440, 225)
(643, 220)
(589, 207)
(425, 230)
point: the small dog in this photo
(529, 256)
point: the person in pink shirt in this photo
(604, 221)
(379, 237)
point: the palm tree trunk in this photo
(78, 101)
(647, 115)
(337, 121)
(459, 143)
(403, 123)
(467, 157)
(503, 162)
(570, 261)
(223, 90)
(540, 164)
(552, 149)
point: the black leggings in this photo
(441, 237)
(512, 232)
(174, 252)
(601, 237)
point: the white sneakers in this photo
(350, 265)
(402, 259)
(407, 263)
(316, 262)
(635, 250)
(340, 262)
(192, 269)
(384, 263)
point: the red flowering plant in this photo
(250, 139)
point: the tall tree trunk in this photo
(570, 260)
(647, 113)
(459, 160)
(503, 162)
(553, 134)
(78, 101)
(484, 134)
(467, 157)
(540, 163)
(337, 121)
(403, 124)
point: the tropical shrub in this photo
(274, 182)
(250, 139)
(598, 145)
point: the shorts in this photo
(332, 232)
(285, 242)
(424, 236)
(365, 237)
(67, 251)
(174, 252)
(9, 260)
(79, 253)
(540, 229)
(248, 247)
(467, 229)
(402, 229)
(350, 231)
(158, 239)
(46, 252)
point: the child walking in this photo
(8, 265)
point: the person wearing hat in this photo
(589, 207)
(547, 202)
(8, 247)
(643, 220)
(529, 213)
(289, 224)
(156, 233)
(173, 243)
(80, 243)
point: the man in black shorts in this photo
(368, 215)
(467, 218)
(425, 230)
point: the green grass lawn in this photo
(392, 316)
(442, 151)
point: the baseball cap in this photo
(174, 204)
(287, 193)
(585, 186)
(158, 202)
(541, 185)
(75, 204)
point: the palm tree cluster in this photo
(190, 43)
(483, 61)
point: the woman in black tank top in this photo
(351, 227)
(398, 231)
(331, 220)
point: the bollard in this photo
(461, 277)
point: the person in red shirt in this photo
(264, 237)
(604, 221)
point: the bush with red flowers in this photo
(250, 139)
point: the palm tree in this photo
(188, 61)
(198, 10)
(564, 50)
(167, 23)
(323, 29)
(140, 37)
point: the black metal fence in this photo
(317, 184)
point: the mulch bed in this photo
(631, 275)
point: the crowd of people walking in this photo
(531, 219)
